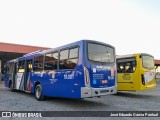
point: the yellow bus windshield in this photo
(148, 61)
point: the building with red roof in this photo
(10, 51)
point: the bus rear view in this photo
(136, 72)
(99, 70)
(78, 70)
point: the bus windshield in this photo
(148, 61)
(100, 53)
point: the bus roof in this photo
(131, 55)
(73, 44)
(41, 52)
(12, 61)
(125, 56)
(31, 55)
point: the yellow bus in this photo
(135, 72)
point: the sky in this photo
(131, 26)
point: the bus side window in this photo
(29, 65)
(21, 66)
(134, 65)
(73, 58)
(6, 69)
(68, 58)
(128, 67)
(38, 63)
(120, 68)
(51, 60)
(63, 58)
(130, 70)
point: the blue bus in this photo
(81, 69)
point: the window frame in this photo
(69, 48)
(52, 56)
(24, 66)
(95, 62)
(149, 68)
(38, 63)
(31, 63)
(58, 60)
(124, 64)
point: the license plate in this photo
(104, 81)
(104, 91)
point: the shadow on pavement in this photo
(134, 95)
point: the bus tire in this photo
(38, 93)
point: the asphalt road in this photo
(123, 101)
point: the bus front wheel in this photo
(38, 92)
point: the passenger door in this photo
(20, 75)
(27, 74)
(12, 74)
(15, 74)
